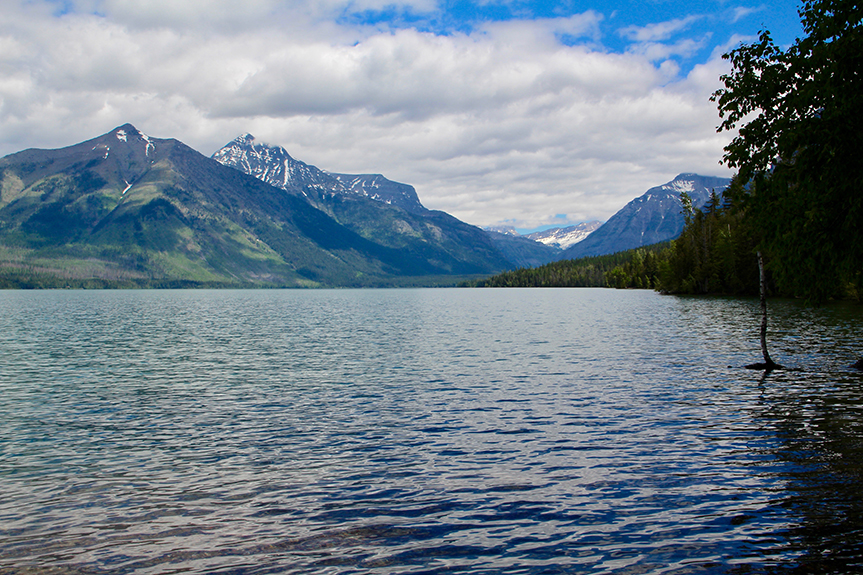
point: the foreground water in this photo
(427, 431)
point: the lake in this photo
(426, 431)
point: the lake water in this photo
(426, 431)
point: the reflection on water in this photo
(818, 425)
(428, 431)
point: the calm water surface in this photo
(426, 431)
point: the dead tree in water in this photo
(768, 364)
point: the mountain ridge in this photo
(131, 206)
(653, 217)
(127, 207)
(275, 166)
(391, 215)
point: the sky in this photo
(522, 113)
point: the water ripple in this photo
(425, 431)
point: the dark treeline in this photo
(637, 268)
(715, 253)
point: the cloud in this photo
(540, 31)
(227, 16)
(658, 51)
(504, 123)
(742, 12)
(658, 31)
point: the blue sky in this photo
(520, 113)
(710, 23)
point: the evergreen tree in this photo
(715, 252)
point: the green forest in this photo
(637, 268)
(796, 201)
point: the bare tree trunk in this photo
(762, 287)
(768, 362)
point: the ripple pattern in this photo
(425, 431)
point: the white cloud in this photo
(658, 31)
(657, 51)
(507, 123)
(543, 31)
(225, 16)
(742, 12)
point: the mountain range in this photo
(537, 248)
(126, 209)
(655, 216)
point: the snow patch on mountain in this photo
(129, 135)
(150, 144)
(505, 230)
(557, 238)
(273, 164)
(563, 238)
(679, 185)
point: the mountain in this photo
(376, 187)
(521, 251)
(650, 218)
(537, 248)
(563, 238)
(377, 209)
(273, 164)
(505, 230)
(128, 209)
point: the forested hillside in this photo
(638, 268)
(715, 253)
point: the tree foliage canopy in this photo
(797, 152)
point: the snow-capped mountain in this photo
(650, 218)
(274, 165)
(377, 187)
(505, 230)
(563, 238)
(537, 248)
(127, 209)
(381, 211)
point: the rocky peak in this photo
(275, 166)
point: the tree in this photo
(714, 252)
(800, 117)
(768, 363)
